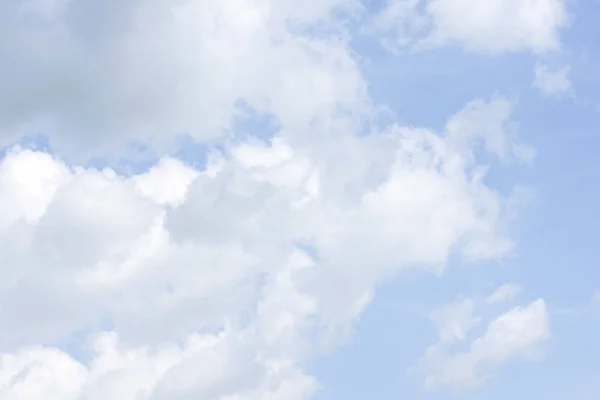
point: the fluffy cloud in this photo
(504, 339)
(97, 76)
(204, 367)
(216, 282)
(552, 82)
(241, 255)
(518, 332)
(489, 27)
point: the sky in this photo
(284, 200)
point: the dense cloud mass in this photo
(95, 74)
(222, 281)
(236, 260)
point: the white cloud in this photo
(488, 122)
(175, 253)
(490, 27)
(505, 292)
(97, 75)
(552, 82)
(204, 367)
(517, 333)
(217, 283)
(167, 182)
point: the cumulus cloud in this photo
(204, 367)
(518, 333)
(97, 75)
(489, 27)
(552, 82)
(218, 281)
(223, 252)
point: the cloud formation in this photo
(95, 76)
(221, 281)
(552, 82)
(517, 333)
(241, 255)
(487, 27)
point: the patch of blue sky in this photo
(76, 344)
(38, 142)
(251, 123)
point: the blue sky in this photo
(260, 199)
